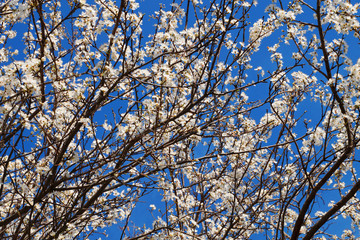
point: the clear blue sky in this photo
(142, 214)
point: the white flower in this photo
(318, 136)
(133, 5)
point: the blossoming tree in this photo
(242, 117)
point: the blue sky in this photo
(142, 214)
